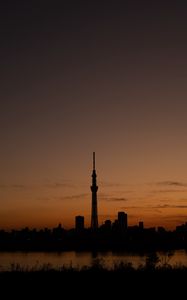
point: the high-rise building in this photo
(141, 225)
(79, 222)
(108, 224)
(122, 220)
(94, 189)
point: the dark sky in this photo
(85, 76)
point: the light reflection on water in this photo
(79, 259)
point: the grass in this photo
(98, 266)
(151, 280)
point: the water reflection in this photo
(79, 259)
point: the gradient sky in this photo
(83, 77)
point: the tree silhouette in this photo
(152, 260)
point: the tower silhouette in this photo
(94, 188)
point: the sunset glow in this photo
(82, 79)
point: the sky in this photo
(84, 76)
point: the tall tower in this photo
(94, 188)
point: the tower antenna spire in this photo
(93, 160)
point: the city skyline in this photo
(94, 216)
(78, 77)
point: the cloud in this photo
(13, 186)
(115, 199)
(57, 185)
(154, 207)
(53, 185)
(171, 183)
(183, 199)
(72, 197)
(111, 184)
(46, 199)
(170, 206)
(170, 186)
(109, 198)
(133, 207)
(170, 191)
(176, 218)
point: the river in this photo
(35, 260)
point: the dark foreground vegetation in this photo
(151, 280)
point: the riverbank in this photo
(149, 281)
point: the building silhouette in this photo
(122, 220)
(108, 224)
(141, 225)
(79, 223)
(94, 189)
